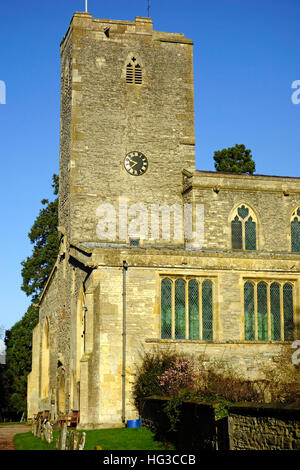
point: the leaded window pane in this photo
(237, 234)
(250, 234)
(262, 311)
(207, 311)
(243, 212)
(180, 309)
(275, 311)
(193, 310)
(166, 309)
(249, 311)
(288, 311)
(295, 235)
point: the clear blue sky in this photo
(246, 56)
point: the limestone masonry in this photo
(198, 261)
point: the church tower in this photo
(127, 124)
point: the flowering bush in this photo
(179, 376)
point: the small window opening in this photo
(134, 242)
(134, 73)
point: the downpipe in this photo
(125, 267)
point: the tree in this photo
(44, 236)
(3, 394)
(36, 269)
(236, 159)
(18, 341)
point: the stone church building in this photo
(153, 253)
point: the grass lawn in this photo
(10, 423)
(107, 439)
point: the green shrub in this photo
(148, 374)
(180, 377)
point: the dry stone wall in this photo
(263, 427)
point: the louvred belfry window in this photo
(134, 73)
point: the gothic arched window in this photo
(45, 359)
(243, 229)
(295, 230)
(134, 73)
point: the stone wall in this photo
(110, 118)
(247, 427)
(264, 427)
(272, 199)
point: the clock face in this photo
(136, 163)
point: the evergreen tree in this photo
(236, 159)
(35, 272)
(18, 343)
(44, 236)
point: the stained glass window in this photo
(237, 234)
(207, 310)
(243, 229)
(288, 311)
(275, 311)
(193, 310)
(262, 311)
(295, 231)
(190, 308)
(179, 309)
(166, 309)
(274, 301)
(243, 212)
(250, 234)
(249, 311)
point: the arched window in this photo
(295, 230)
(45, 360)
(134, 73)
(268, 311)
(243, 229)
(187, 309)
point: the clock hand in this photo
(132, 161)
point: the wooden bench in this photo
(73, 419)
(61, 419)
